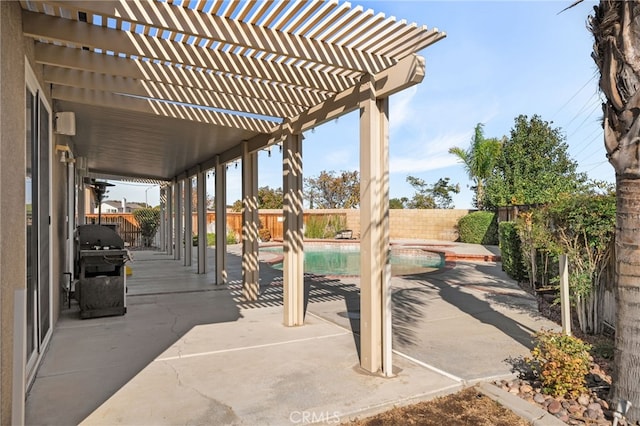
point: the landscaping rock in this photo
(584, 400)
(554, 407)
(539, 398)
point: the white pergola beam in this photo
(406, 73)
(37, 25)
(235, 32)
(165, 109)
(161, 91)
(84, 60)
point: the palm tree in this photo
(479, 160)
(616, 30)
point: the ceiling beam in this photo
(165, 109)
(199, 24)
(78, 59)
(168, 92)
(406, 73)
(38, 25)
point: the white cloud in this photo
(339, 157)
(430, 156)
(401, 109)
(419, 165)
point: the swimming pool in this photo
(344, 259)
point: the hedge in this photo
(510, 251)
(479, 228)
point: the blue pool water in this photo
(344, 259)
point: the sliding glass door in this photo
(38, 219)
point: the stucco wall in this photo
(12, 190)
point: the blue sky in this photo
(500, 59)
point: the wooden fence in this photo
(439, 224)
(271, 220)
(127, 226)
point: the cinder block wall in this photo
(433, 224)
(436, 224)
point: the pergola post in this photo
(293, 271)
(81, 172)
(250, 270)
(170, 216)
(178, 220)
(375, 312)
(221, 222)
(201, 188)
(162, 228)
(188, 220)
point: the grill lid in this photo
(92, 236)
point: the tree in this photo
(479, 161)
(148, 221)
(436, 196)
(236, 206)
(269, 198)
(398, 203)
(533, 167)
(616, 28)
(333, 191)
(581, 226)
(209, 200)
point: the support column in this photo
(163, 218)
(201, 188)
(71, 223)
(177, 253)
(188, 220)
(170, 216)
(375, 309)
(221, 222)
(81, 191)
(250, 270)
(293, 270)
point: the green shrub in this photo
(479, 228)
(561, 363)
(265, 234)
(324, 226)
(149, 222)
(231, 237)
(211, 240)
(510, 251)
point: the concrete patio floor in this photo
(191, 352)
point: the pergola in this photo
(165, 91)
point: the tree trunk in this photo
(626, 383)
(616, 31)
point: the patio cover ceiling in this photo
(160, 89)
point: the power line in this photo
(588, 144)
(595, 73)
(581, 110)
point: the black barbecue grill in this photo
(101, 257)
